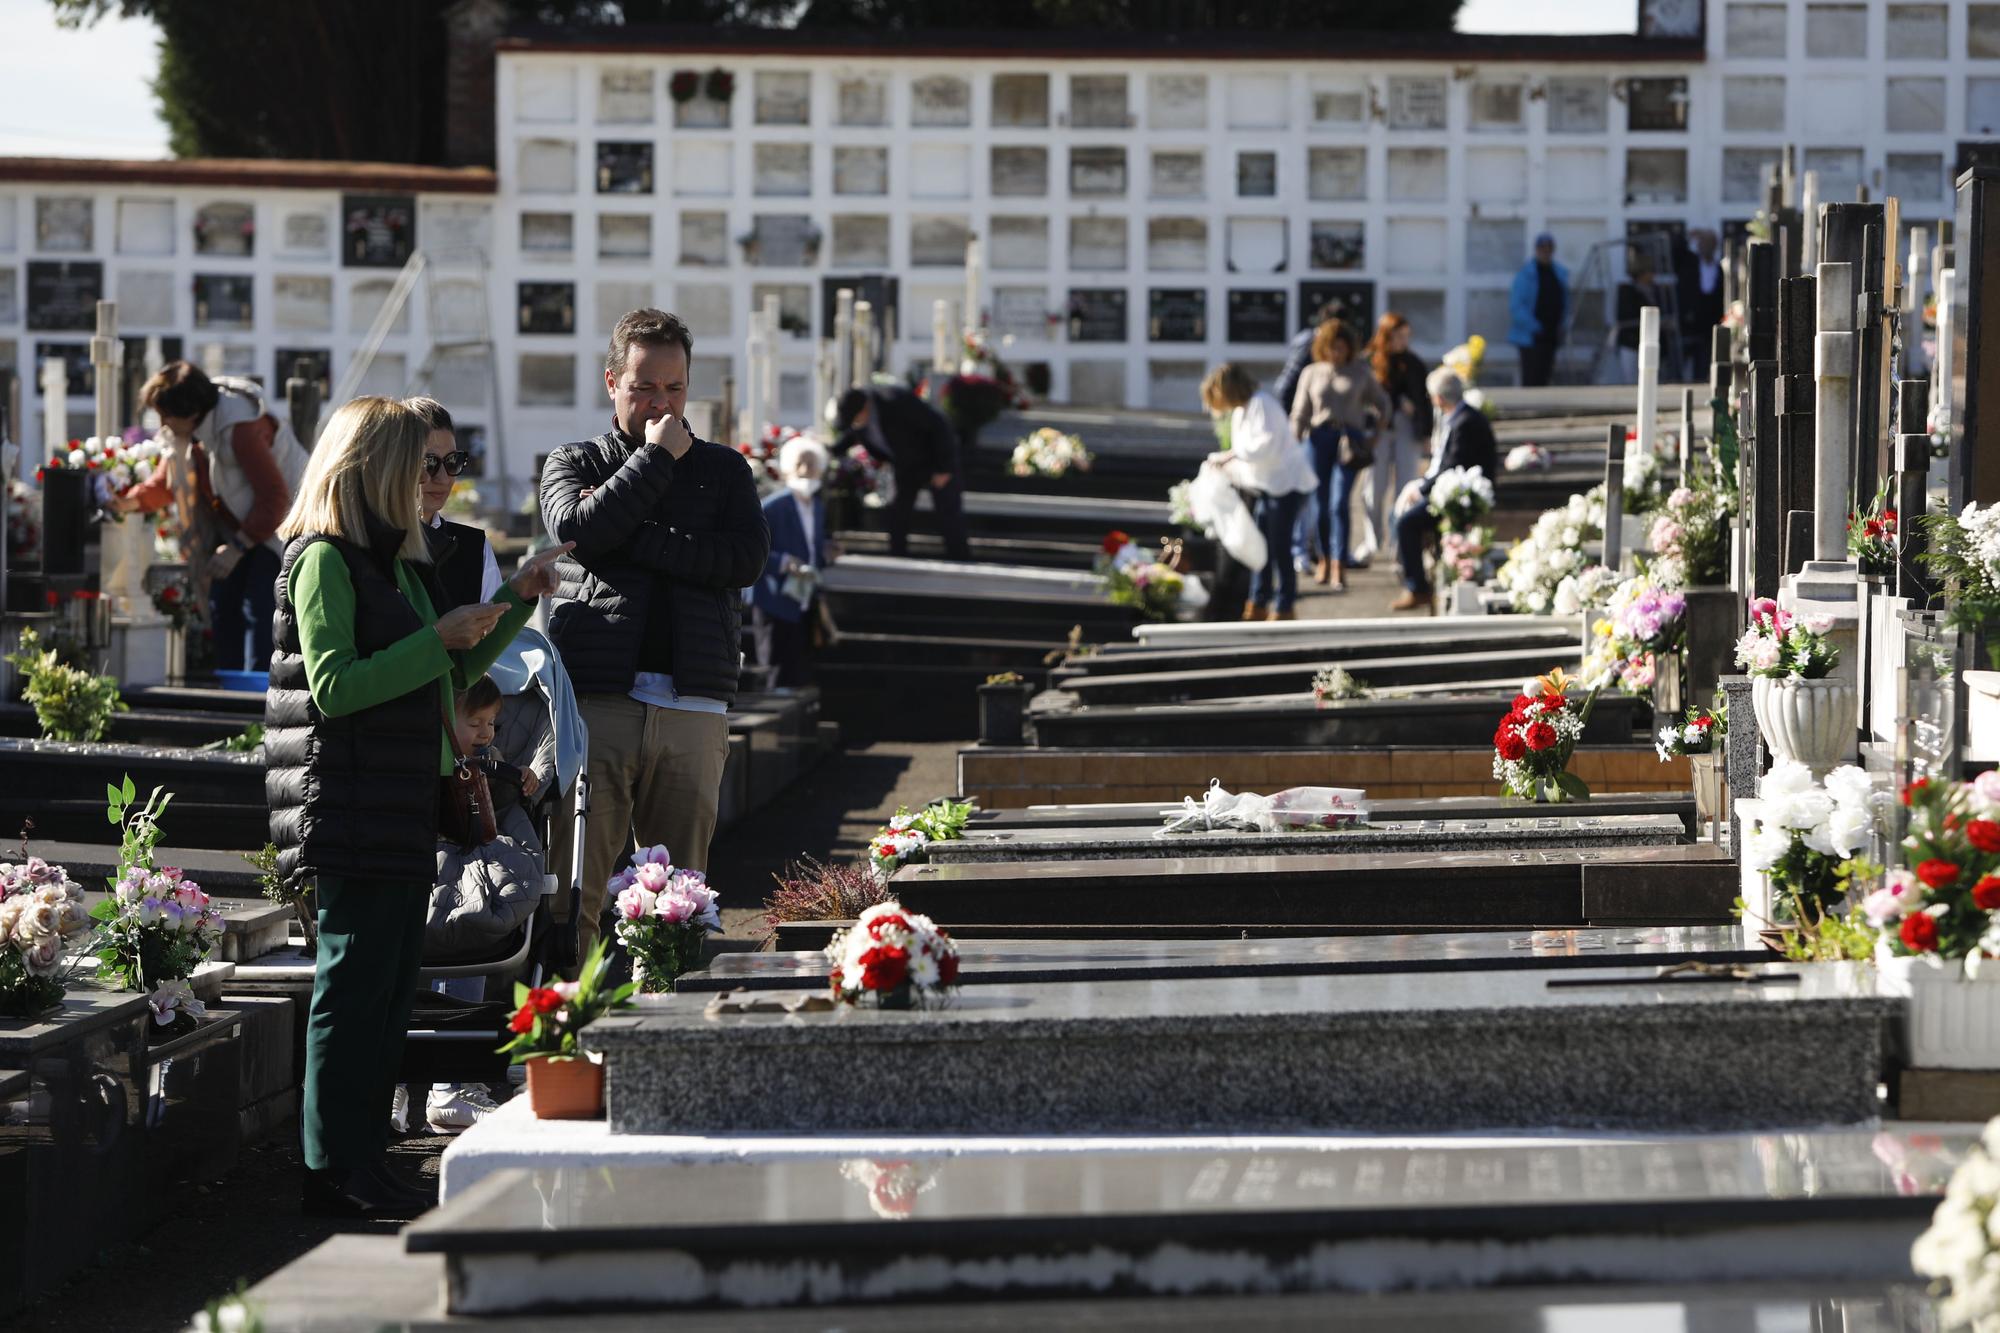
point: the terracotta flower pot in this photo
(1811, 721)
(565, 1089)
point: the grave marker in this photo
(1975, 364)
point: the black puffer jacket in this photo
(663, 548)
(354, 796)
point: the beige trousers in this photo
(655, 775)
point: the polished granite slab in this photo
(1378, 835)
(991, 962)
(1365, 1217)
(1429, 1052)
(1433, 809)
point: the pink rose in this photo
(652, 876)
(636, 903)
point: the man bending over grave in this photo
(648, 618)
(921, 446)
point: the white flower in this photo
(1765, 847)
(1788, 777)
(1849, 785)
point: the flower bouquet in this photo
(1047, 452)
(893, 1186)
(1133, 578)
(898, 957)
(859, 473)
(1528, 458)
(1805, 833)
(1552, 551)
(1645, 482)
(1647, 627)
(1533, 744)
(113, 466)
(1690, 537)
(1587, 590)
(38, 903)
(175, 600)
(1803, 712)
(1334, 684)
(156, 926)
(563, 1082)
(907, 835)
(664, 912)
(1460, 497)
(1462, 554)
(1959, 1249)
(1871, 536)
(1965, 553)
(1696, 733)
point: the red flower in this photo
(1541, 736)
(1920, 932)
(1704, 722)
(523, 1019)
(171, 593)
(948, 969)
(1509, 743)
(884, 967)
(1937, 874)
(1554, 703)
(1951, 823)
(1115, 541)
(54, 598)
(1986, 893)
(1911, 792)
(1523, 702)
(887, 921)
(543, 1000)
(1983, 834)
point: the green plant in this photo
(70, 704)
(810, 890)
(245, 741)
(265, 861)
(1961, 552)
(548, 1019)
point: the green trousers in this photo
(371, 943)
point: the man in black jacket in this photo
(921, 446)
(1461, 438)
(668, 533)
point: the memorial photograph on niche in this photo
(63, 294)
(547, 307)
(378, 230)
(224, 301)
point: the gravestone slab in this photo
(1258, 317)
(1177, 245)
(938, 241)
(1097, 314)
(940, 101)
(625, 168)
(145, 226)
(301, 302)
(1019, 243)
(380, 230)
(1339, 245)
(546, 307)
(1177, 175)
(1097, 173)
(65, 224)
(781, 169)
(224, 301)
(783, 97)
(860, 170)
(705, 239)
(1097, 245)
(63, 294)
(860, 240)
(1177, 315)
(625, 235)
(145, 298)
(1019, 172)
(625, 96)
(783, 240)
(1336, 173)
(1473, 1050)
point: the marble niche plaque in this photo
(1655, 175)
(1579, 105)
(860, 240)
(302, 303)
(1256, 175)
(1424, 310)
(452, 225)
(707, 307)
(228, 229)
(1020, 101)
(546, 166)
(1578, 175)
(319, 369)
(305, 233)
(1174, 386)
(545, 307)
(1417, 175)
(1020, 172)
(862, 101)
(625, 96)
(861, 171)
(1354, 303)
(1177, 315)
(1496, 106)
(548, 235)
(145, 226)
(624, 168)
(1496, 175)
(1757, 102)
(1178, 174)
(387, 375)
(1097, 245)
(1336, 173)
(224, 301)
(145, 299)
(624, 235)
(7, 228)
(705, 239)
(940, 101)
(1256, 245)
(63, 294)
(1416, 245)
(1840, 32)
(379, 230)
(1914, 175)
(10, 294)
(783, 240)
(1019, 243)
(781, 170)
(938, 241)
(1099, 102)
(458, 308)
(1417, 103)
(1914, 105)
(1177, 101)
(1840, 170)
(1177, 245)
(471, 437)
(545, 92)
(65, 224)
(365, 301)
(1258, 317)
(1915, 32)
(1097, 383)
(794, 305)
(1339, 244)
(1021, 312)
(1259, 101)
(782, 97)
(1495, 245)
(703, 168)
(1097, 173)
(940, 171)
(1656, 104)
(1338, 103)
(545, 379)
(1097, 314)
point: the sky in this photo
(84, 93)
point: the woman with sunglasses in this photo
(460, 553)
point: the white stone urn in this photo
(1811, 721)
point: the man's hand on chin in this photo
(668, 433)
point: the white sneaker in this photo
(458, 1110)
(399, 1110)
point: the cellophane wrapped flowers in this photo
(1533, 744)
(38, 903)
(664, 913)
(893, 955)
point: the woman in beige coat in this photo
(1336, 411)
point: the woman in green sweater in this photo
(357, 736)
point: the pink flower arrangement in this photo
(664, 912)
(38, 904)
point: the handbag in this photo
(1357, 450)
(465, 802)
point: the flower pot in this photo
(1711, 792)
(1002, 714)
(903, 997)
(565, 1089)
(1811, 721)
(1982, 714)
(1953, 1022)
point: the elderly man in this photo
(648, 619)
(1536, 308)
(1460, 438)
(785, 598)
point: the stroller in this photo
(453, 1040)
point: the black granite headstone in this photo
(1912, 482)
(1355, 301)
(880, 291)
(1097, 315)
(224, 301)
(63, 294)
(1975, 366)
(547, 307)
(624, 168)
(1795, 402)
(1258, 317)
(1177, 315)
(1767, 521)
(377, 230)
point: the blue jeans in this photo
(1307, 544)
(1277, 583)
(1336, 485)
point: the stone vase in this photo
(1952, 1021)
(1668, 697)
(1002, 713)
(1811, 721)
(560, 1089)
(1711, 792)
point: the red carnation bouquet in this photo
(548, 1019)
(894, 955)
(1945, 899)
(1533, 743)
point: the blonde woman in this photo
(356, 737)
(1266, 461)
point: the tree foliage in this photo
(364, 80)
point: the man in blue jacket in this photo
(1536, 310)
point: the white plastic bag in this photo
(1292, 808)
(1218, 507)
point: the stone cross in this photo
(843, 340)
(1798, 311)
(864, 342)
(107, 359)
(55, 405)
(1833, 411)
(973, 305)
(1809, 214)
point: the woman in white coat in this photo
(1264, 460)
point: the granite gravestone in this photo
(1355, 302)
(1096, 173)
(1338, 245)
(318, 361)
(1257, 317)
(783, 240)
(63, 294)
(546, 307)
(224, 301)
(1177, 314)
(65, 225)
(1177, 175)
(1097, 314)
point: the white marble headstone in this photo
(624, 235)
(1097, 245)
(1495, 245)
(145, 299)
(1743, 173)
(1338, 102)
(1021, 312)
(1417, 175)
(1496, 175)
(1178, 174)
(940, 101)
(862, 100)
(625, 96)
(1018, 243)
(703, 168)
(544, 91)
(1417, 102)
(1577, 105)
(1416, 245)
(781, 170)
(1656, 175)
(940, 171)
(146, 227)
(546, 379)
(546, 166)
(1177, 101)
(1496, 105)
(783, 97)
(303, 232)
(1754, 31)
(860, 240)
(1097, 383)
(1097, 173)
(302, 303)
(1177, 245)
(548, 235)
(1336, 173)
(1099, 102)
(455, 225)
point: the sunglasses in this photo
(452, 463)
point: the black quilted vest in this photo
(353, 797)
(458, 554)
